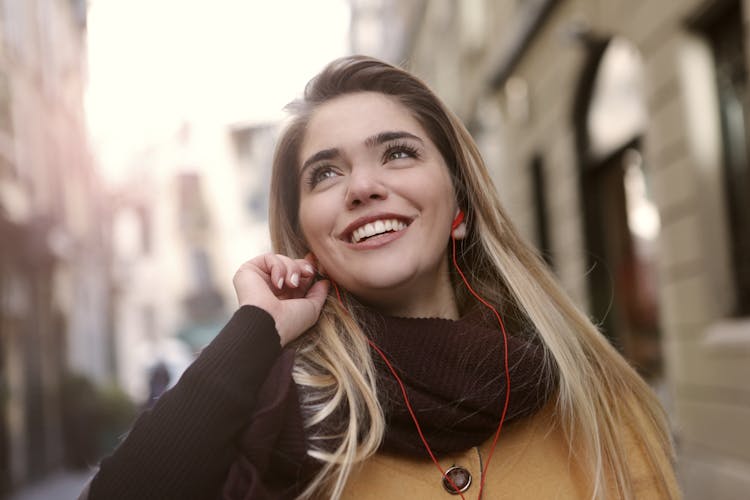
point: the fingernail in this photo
(309, 269)
(280, 283)
(294, 279)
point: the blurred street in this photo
(135, 172)
(61, 486)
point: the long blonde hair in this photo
(597, 391)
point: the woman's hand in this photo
(284, 288)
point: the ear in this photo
(458, 228)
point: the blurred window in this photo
(617, 112)
(201, 269)
(15, 23)
(145, 226)
(621, 220)
(539, 186)
(79, 12)
(474, 22)
(254, 147)
(725, 34)
(6, 116)
(192, 209)
(132, 232)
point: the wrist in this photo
(275, 316)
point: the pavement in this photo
(60, 486)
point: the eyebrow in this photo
(325, 154)
(383, 137)
(370, 142)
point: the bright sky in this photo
(154, 63)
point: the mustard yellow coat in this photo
(531, 461)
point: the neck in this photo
(446, 309)
(435, 299)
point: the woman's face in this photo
(376, 204)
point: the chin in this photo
(381, 283)
(387, 287)
(375, 280)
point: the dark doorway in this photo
(621, 222)
(622, 226)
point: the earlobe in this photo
(459, 232)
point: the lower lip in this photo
(378, 241)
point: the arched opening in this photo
(621, 221)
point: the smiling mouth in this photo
(377, 228)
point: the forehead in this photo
(350, 119)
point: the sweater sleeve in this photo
(184, 446)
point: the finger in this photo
(293, 271)
(253, 267)
(304, 284)
(308, 268)
(277, 270)
(310, 257)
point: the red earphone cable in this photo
(505, 363)
(486, 467)
(406, 400)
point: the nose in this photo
(364, 187)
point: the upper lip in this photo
(346, 234)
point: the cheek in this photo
(314, 233)
(314, 224)
(307, 225)
(442, 195)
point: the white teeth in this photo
(377, 227)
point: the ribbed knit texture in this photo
(455, 379)
(183, 448)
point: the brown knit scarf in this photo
(455, 378)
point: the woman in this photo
(402, 341)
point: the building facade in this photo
(616, 132)
(192, 208)
(54, 260)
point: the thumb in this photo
(302, 313)
(317, 294)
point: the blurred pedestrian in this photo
(158, 382)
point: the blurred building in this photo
(193, 207)
(387, 28)
(164, 256)
(54, 277)
(617, 136)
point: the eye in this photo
(397, 155)
(320, 173)
(400, 151)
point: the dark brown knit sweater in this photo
(184, 446)
(232, 428)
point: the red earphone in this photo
(458, 220)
